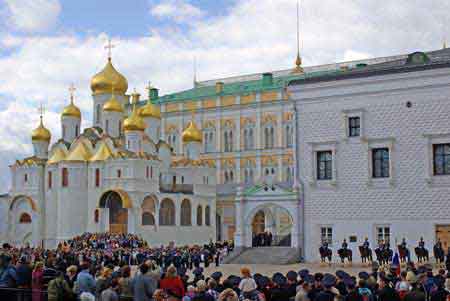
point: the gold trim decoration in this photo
(269, 118)
(228, 123)
(249, 98)
(209, 124)
(172, 107)
(170, 127)
(269, 96)
(29, 200)
(209, 103)
(126, 201)
(228, 100)
(247, 120)
(228, 162)
(288, 116)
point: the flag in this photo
(396, 263)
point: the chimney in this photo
(267, 79)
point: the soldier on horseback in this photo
(366, 243)
(366, 252)
(344, 245)
(422, 244)
(325, 252)
(345, 252)
(439, 253)
(421, 251)
(404, 251)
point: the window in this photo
(207, 216)
(151, 172)
(209, 141)
(441, 159)
(65, 177)
(185, 218)
(380, 162)
(167, 213)
(147, 172)
(25, 178)
(248, 175)
(97, 177)
(383, 234)
(248, 139)
(119, 173)
(107, 126)
(289, 174)
(49, 180)
(228, 141)
(289, 136)
(326, 235)
(64, 131)
(199, 215)
(77, 130)
(98, 112)
(269, 137)
(148, 219)
(324, 165)
(354, 126)
(25, 218)
(228, 176)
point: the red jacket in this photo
(173, 286)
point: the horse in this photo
(384, 256)
(403, 253)
(439, 254)
(325, 253)
(366, 254)
(422, 254)
(345, 253)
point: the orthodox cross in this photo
(41, 111)
(72, 91)
(109, 47)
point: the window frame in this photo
(326, 234)
(354, 130)
(381, 170)
(446, 158)
(328, 165)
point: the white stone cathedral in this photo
(117, 176)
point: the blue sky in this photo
(45, 45)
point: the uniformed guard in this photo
(422, 243)
(403, 244)
(325, 244)
(366, 243)
(344, 244)
(381, 245)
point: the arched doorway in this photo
(23, 221)
(118, 213)
(259, 222)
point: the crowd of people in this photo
(108, 267)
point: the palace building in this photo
(310, 154)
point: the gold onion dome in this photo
(113, 105)
(41, 133)
(134, 122)
(192, 133)
(150, 110)
(71, 110)
(108, 78)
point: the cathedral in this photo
(117, 176)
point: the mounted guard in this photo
(344, 252)
(403, 252)
(421, 252)
(365, 251)
(325, 252)
(439, 253)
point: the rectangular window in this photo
(65, 177)
(326, 235)
(147, 172)
(441, 159)
(354, 126)
(97, 177)
(151, 172)
(25, 178)
(383, 234)
(119, 173)
(380, 162)
(324, 165)
(49, 180)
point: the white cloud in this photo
(32, 15)
(178, 10)
(254, 36)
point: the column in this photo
(177, 211)
(237, 164)
(218, 171)
(179, 146)
(239, 234)
(132, 219)
(258, 127)
(280, 169)
(279, 130)
(295, 235)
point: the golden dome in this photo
(134, 122)
(192, 133)
(41, 133)
(113, 105)
(71, 110)
(150, 110)
(108, 78)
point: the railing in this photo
(28, 294)
(177, 188)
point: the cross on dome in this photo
(41, 110)
(109, 47)
(72, 91)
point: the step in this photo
(264, 255)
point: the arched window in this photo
(199, 215)
(207, 216)
(107, 126)
(272, 137)
(25, 218)
(96, 216)
(65, 177)
(185, 218)
(77, 130)
(167, 213)
(148, 219)
(289, 136)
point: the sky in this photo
(46, 45)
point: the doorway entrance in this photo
(118, 215)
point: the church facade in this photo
(117, 176)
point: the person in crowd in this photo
(201, 292)
(385, 290)
(103, 281)
(71, 275)
(125, 286)
(143, 285)
(172, 284)
(37, 282)
(24, 273)
(85, 281)
(415, 294)
(58, 288)
(112, 292)
(228, 295)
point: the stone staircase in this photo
(264, 255)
